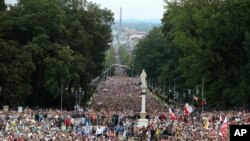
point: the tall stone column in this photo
(143, 121)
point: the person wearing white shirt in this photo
(99, 132)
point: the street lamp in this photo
(189, 92)
(176, 96)
(78, 95)
(132, 70)
(174, 82)
(197, 91)
(160, 90)
(202, 93)
(109, 70)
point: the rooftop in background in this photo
(152, 21)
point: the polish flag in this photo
(187, 109)
(224, 128)
(172, 116)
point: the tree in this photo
(110, 57)
(2, 5)
(16, 68)
(157, 56)
(57, 72)
(125, 57)
(44, 28)
(202, 31)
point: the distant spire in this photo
(120, 19)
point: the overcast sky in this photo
(131, 9)
(135, 9)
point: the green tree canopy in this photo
(2, 5)
(16, 68)
(157, 56)
(211, 37)
(65, 39)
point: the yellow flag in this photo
(206, 123)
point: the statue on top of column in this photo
(143, 78)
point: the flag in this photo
(172, 116)
(223, 129)
(195, 98)
(204, 102)
(87, 128)
(187, 109)
(206, 123)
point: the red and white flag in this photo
(172, 116)
(224, 128)
(187, 109)
(204, 102)
(195, 98)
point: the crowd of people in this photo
(121, 93)
(113, 114)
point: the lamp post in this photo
(61, 92)
(164, 87)
(160, 90)
(78, 95)
(176, 94)
(189, 94)
(184, 97)
(174, 82)
(202, 94)
(197, 91)
(177, 98)
(109, 70)
(150, 83)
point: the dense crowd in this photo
(113, 114)
(122, 93)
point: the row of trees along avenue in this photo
(201, 39)
(47, 46)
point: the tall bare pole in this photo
(120, 19)
(202, 94)
(61, 92)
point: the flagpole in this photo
(202, 94)
(193, 99)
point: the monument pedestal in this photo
(5, 108)
(143, 121)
